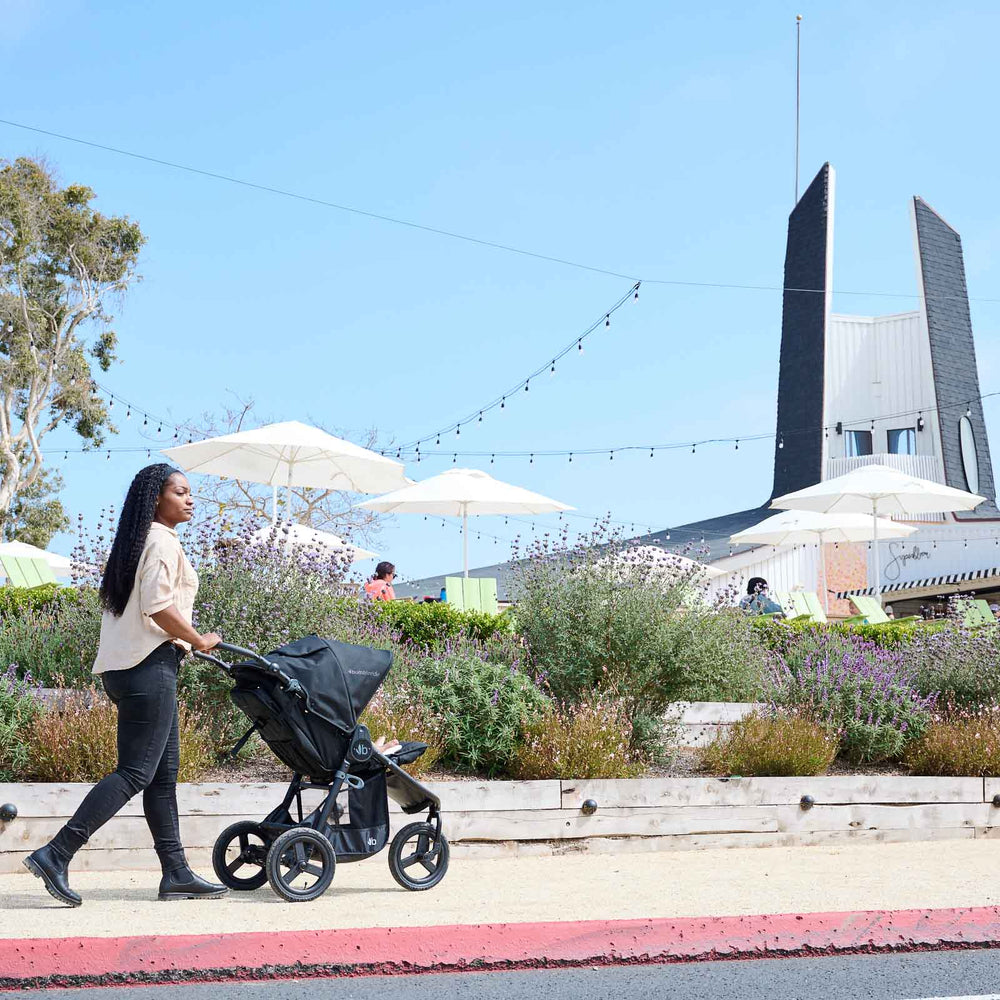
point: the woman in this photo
(757, 600)
(147, 593)
(379, 587)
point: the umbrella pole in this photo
(878, 560)
(822, 566)
(288, 513)
(465, 539)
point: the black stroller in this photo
(305, 699)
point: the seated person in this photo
(379, 587)
(757, 601)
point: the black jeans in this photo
(148, 756)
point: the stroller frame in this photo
(293, 844)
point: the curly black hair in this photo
(133, 527)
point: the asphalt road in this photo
(872, 977)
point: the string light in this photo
(552, 370)
(607, 320)
(968, 410)
(781, 441)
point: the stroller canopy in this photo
(340, 679)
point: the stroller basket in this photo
(305, 699)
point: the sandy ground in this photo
(662, 884)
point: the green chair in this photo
(871, 611)
(977, 614)
(25, 571)
(472, 593)
(814, 606)
(794, 610)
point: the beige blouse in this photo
(163, 577)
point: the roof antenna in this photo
(798, 48)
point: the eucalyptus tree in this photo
(62, 267)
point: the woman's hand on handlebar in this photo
(206, 642)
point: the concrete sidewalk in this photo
(628, 886)
(568, 908)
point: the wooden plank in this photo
(700, 842)
(559, 824)
(880, 817)
(659, 792)
(144, 859)
(231, 799)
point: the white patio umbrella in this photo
(797, 527)
(61, 565)
(875, 490)
(291, 454)
(301, 534)
(461, 493)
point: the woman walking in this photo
(147, 593)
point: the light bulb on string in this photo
(692, 449)
(65, 456)
(438, 441)
(667, 537)
(480, 416)
(502, 400)
(579, 347)
(636, 296)
(611, 456)
(492, 457)
(737, 448)
(128, 413)
(650, 452)
(458, 430)
(552, 370)
(607, 320)
(531, 459)
(108, 457)
(571, 456)
(454, 459)
(159, 428)
(968, 410)
(526, 384)
(781, 441)
(145, 420)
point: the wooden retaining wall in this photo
(499, 818)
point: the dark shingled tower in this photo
(803, 340)
(953, 353)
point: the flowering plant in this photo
(865, 693)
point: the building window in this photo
(858, 443)
(903, 441)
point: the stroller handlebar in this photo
(287, 682)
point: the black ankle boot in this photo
(184, 884)
(51, 867)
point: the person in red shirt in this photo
(379, 587)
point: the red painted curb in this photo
(412, 949)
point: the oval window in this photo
(970, 457)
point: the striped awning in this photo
(930, 581)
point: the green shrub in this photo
(484, 707)
(591, 739)
(55, 641)
(428, 624)
(779, 636)
(963, 744)
(18, 709)
(963, 665)
(778, 745)
(16, 600)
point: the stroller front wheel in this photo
(240, 855)
(301, 864)
(418, 857)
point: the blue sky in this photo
(652, 139)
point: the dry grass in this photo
(588, 740)
(766, 745)
(959, 744)
(80, 743)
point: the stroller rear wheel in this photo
(418, 857)
(301, 864)
(240, 855)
